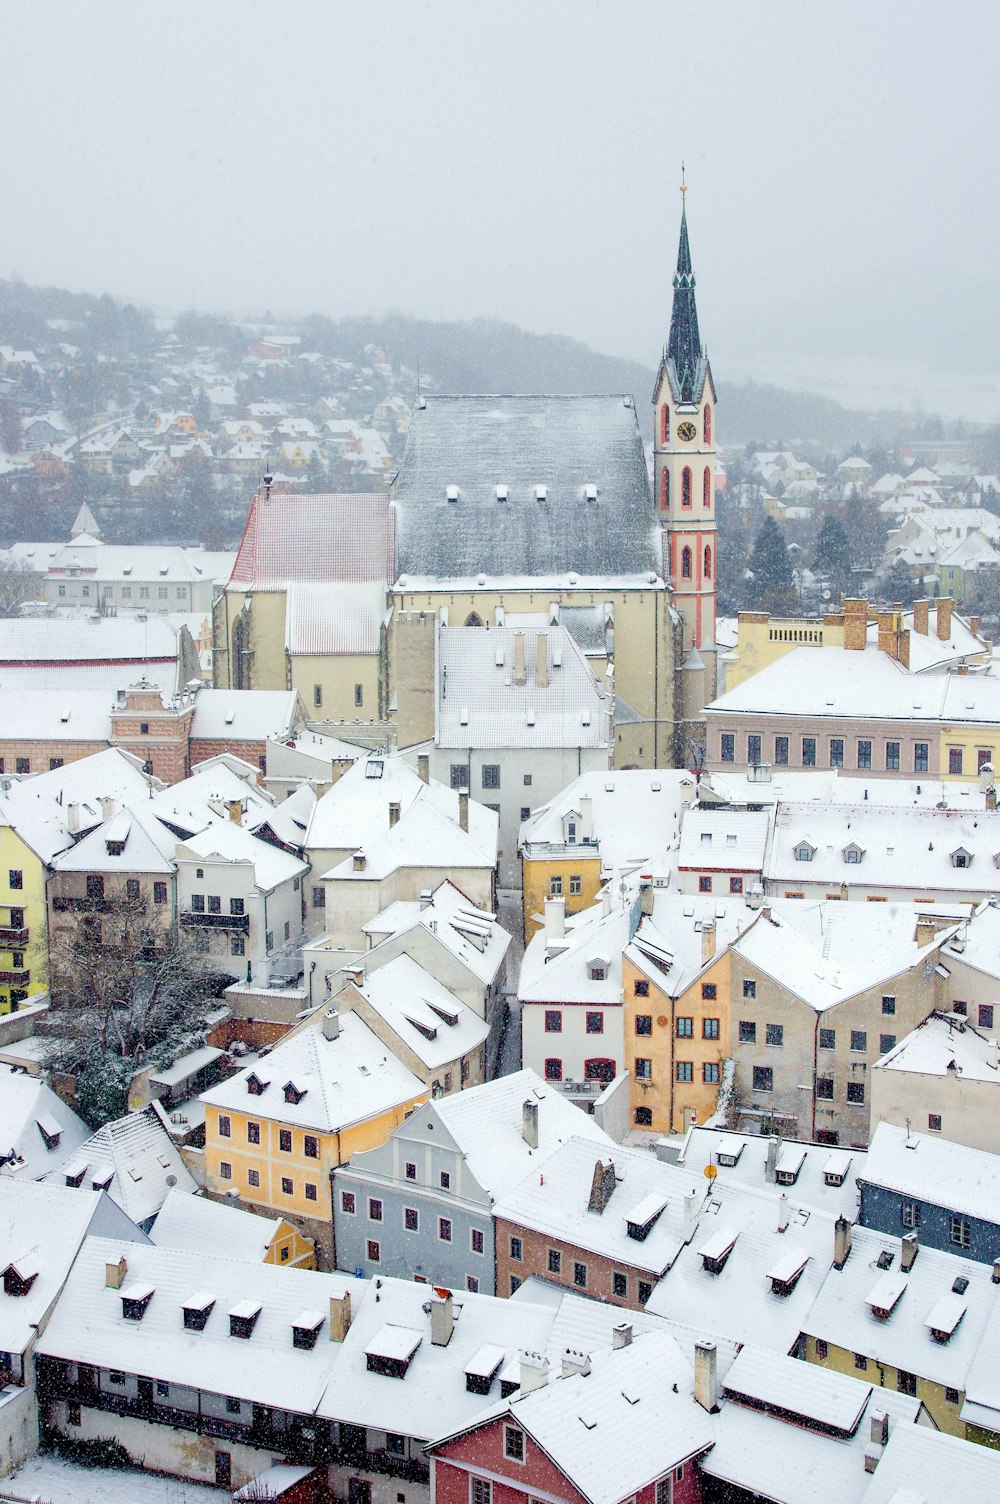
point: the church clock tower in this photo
(684, 462)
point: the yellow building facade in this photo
(675, 1047)
(567, 872)
(23, 922)
(943, 1405)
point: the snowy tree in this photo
(897, 586)
(124, 996)
(772, 587)
(832, 556)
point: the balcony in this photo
(239, 923)
(15, 978)
(82, 905)
(13, 939)
(588, 1090)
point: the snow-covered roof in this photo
(635, 816)
(133, 840)
(563, 972)
(722, 840)
(670, 944)
(340, 1082)
(88, 1326)
(245, 715)
(941, 1045)
(36, 1127)
(195, 1224)
(925, 1466)
(830, 786)
(315, 537)
(233, 843)
(480, 704)
(977, 943)
(919, 850)
(424, 837)
(843, 1313)
(334, 617)
(936, 1170)
(473, 936)
(544, 452)
(741, 1159)
(134, 1160)
(431, 1021)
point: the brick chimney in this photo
(942, 616)
(542, 660)
(602, 1186)
(921, 616)
(235, 809)
(855, 625)
(908, 1252)
(340, 1316)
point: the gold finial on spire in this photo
(683, 183)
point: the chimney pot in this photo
(841, 1242)
(115, 1272)
(424, 767)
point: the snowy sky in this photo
(521, 160)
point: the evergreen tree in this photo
(867, 530)
(897, 585)
(772, 587)
(832, 557)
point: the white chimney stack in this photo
(706, 1376)
(331, 1024)
(529, 1122)
(534, 1372)
(771, 1164)
(555, 921)
(782, 1213)
(442, 1317)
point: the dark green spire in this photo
(684, 345)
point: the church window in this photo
(664, 424)
(708, 563)
(685, 563)
(708, 423)
(473, 620)
(706, 488)
(664, 489)
(686, 486)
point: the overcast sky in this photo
(521, 159)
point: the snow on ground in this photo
(53, 1480)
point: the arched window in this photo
(708, 563)
(664, 424)
(708, 423)
(685, 563)
(664, 489)
(706, 487)
(686, 486)
(473, 620)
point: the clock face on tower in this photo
(686, 432)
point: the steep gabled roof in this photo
(319, 537)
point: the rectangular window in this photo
(411, 1170)
(159, 892)
(781, 751)
(828, 1039)
(225, 1170)
(705, 884)
(287, 1188)
(888, 1003)
(856, 1091)
(595, 1023)
(310, 1146)
(710, 1073)
(359, 695)
(491, 775)
(374, 1209)
(763, 1078)
(892, 757)
(516, 1250)
(236, 906)
(317, 695)
(920, 757)
(775, 1035)
(934, 1122)
(555, 887)
(555, 1261)
(709, 991)
(319, 898)
(958, 1231)
(513, 1443)
(619, 1285)
(476, 1240)
(710, 1028)
(225, 1126)
(411, 1219)
(253, 1133)
(253, 1177)
(285, 1140)
(575, 885)
(640, 989)
(22, 764)
(864, 754)
(310, 1191)
(348, 1203)
(859, 1039)
(955, 760)
(580, 1276)
(374, 1251)
(444, 1229)
(861, 1362)
(753, 749)
(214, 904)
(911, 1214)
(749, 989)
(395, 1445)
(553, 1069)
(727, 747)
(643, 1069)
(645, 1290)
(824, 1088)
(553, 1021)
(906, 1383)
(808, 751)
(986, 1015)
(644, 1023)
(480, 1490)
(459, 775)
(836, 751)
(95, 885)
(886, 1042)
(197, 903)
(133, 889)
(685, 1028)
(748, 1031)
(685, 1070)
(237, 946)
(444, 1180)
(984, 758)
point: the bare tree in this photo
(18, 583)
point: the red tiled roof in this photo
(346, 537)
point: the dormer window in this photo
(197, 1311)
(243, 1318)
(306, 1329)
(804, 852)
(961, 858)
(74, 1178)
(135, 1300)
(255, 1086)
(115, 848)
(853, 854)
(48, 1127)
(293, 1093)
(451, 493)
(19, 1277)
(787, 1272)
(715, 1253)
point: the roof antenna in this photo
(683, 182)
(268, 482)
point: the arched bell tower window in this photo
(664, 425)
(686, 486)
(708, 423)
(708, 563)
(706, 488)
(685, 563)
(664, 489)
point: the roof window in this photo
(293, 1093)
(541, 493)
(20, 1275)
(197, 1310)
(590, 493)
(135, 1300)
(451, 493)
(501, 493)
(306, 1329)
(243, 1318)
(255, 1086)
